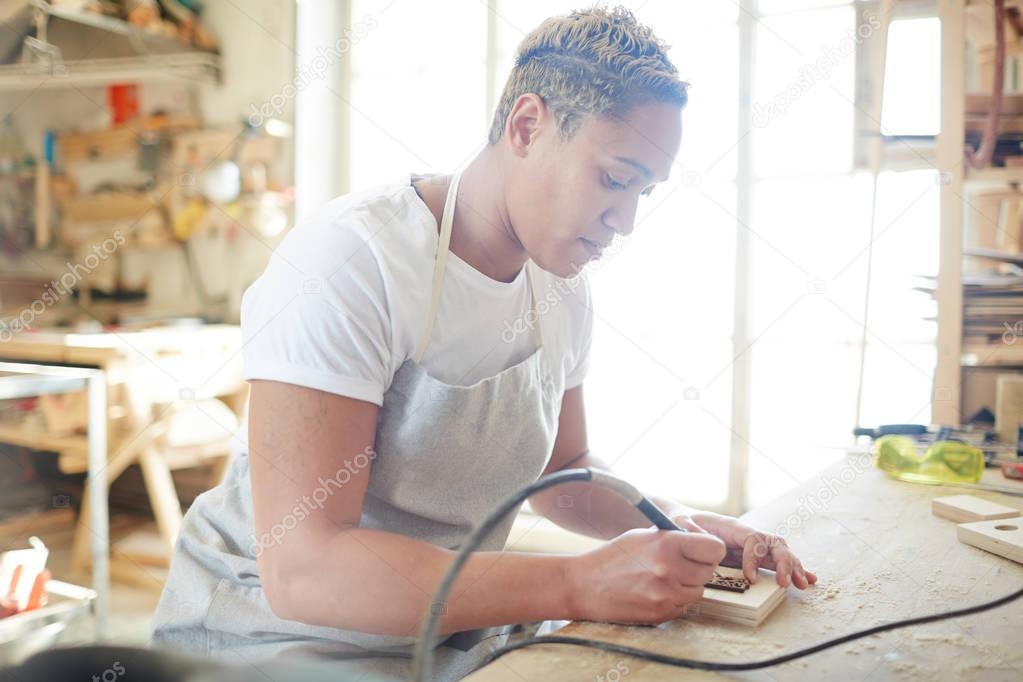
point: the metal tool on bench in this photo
(891, 430)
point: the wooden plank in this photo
(880, 554)
(163, 496)
(1008, 406)
(98, 349)
(1012, 105)
(751, 607)
(1003, 537)
(109, 207)
(945, 403)
(76, 445)
(35, 523)
(967, 508)
(99, 145)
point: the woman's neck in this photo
(482, 234)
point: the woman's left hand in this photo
(750, 549)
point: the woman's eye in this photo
(614, 184)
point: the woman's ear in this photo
(525, 121)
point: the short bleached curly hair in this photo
(595, 61)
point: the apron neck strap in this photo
(443, 246)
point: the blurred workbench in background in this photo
(880, 555)
(175, 397)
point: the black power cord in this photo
(422, 663)
(751, 665)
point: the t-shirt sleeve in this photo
(581, 319)
(318, 317)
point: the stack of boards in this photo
(983, 524)
(745, 608)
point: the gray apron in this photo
(446, 456)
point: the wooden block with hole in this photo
(968, 508)
(751, 607)
(1003, 537)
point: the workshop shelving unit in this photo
(50, 47)
(959, 378)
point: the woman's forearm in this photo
(382, 583)
(592, 509)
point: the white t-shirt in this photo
(344, 299)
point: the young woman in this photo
(407, 376)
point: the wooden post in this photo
(945, 399)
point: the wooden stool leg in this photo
(218, 469)
(162, 495)
(81, 558)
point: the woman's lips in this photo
(593, 247)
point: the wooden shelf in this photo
(194, 68)
(64, 48)
(994, 175)
(76, 446)
(992, 356)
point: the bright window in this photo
(912, 91)
(661, 391)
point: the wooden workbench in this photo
(146, 374)
(880, 555)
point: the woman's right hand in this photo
(644, 576)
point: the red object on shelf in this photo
(124, 102)
(1013, 470)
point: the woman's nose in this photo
(622, 218)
